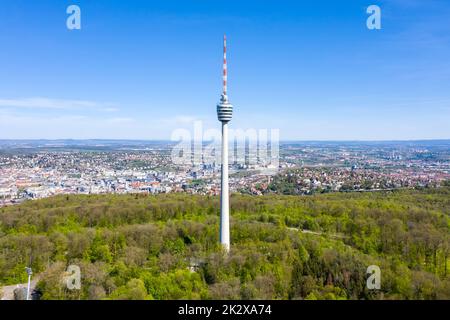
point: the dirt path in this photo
(332, 235)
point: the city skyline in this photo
(139, 72)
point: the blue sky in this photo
(140, 69)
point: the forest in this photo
(140, 246)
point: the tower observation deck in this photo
(224, 108)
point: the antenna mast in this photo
(225, 65)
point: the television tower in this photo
(224, 114)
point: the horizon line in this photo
(168, 140)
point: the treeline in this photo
(283, 247)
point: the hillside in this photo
(283, 247)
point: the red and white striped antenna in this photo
(224, 64)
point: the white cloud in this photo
(182, 119)
(111, 109)
(119, 120)
(78, 126)
(185, 120)
(48, 103)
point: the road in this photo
(7, 292)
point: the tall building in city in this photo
(224, 114)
